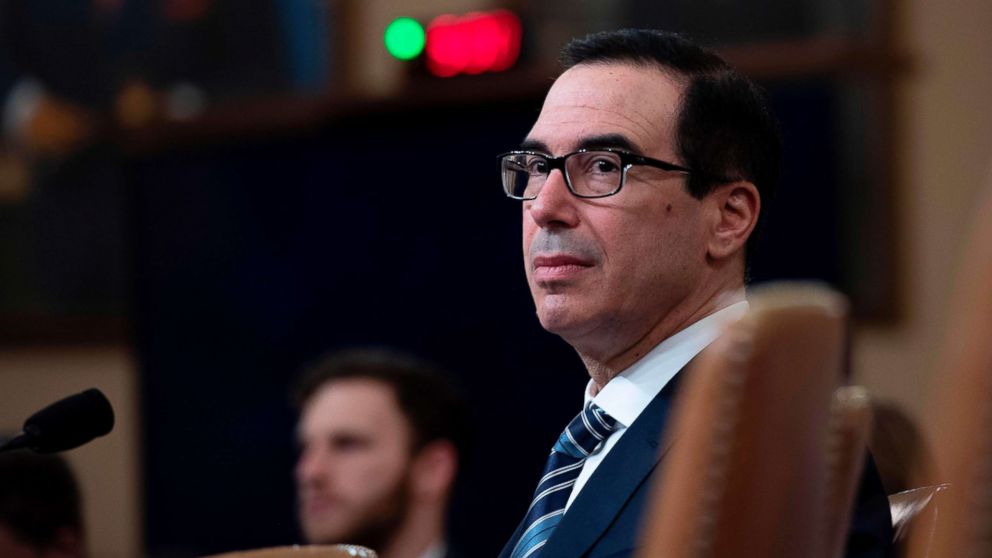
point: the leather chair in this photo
(962, 445)
(303, 551)
(850, 427)
(754, 413)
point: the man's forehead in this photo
(613, 82)
(635, 102)
(353, 403)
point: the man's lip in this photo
(559, 260)
(317, 504)
(558, 268)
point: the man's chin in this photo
(317, 531)
(561, 321)
(371, 525)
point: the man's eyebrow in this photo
(615, 141)
(534, 145)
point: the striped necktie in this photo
(581, 437)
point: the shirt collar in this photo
(629, 392)
(437, 550)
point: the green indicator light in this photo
(404, 38)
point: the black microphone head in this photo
(70, 422)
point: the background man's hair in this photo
(38, 497)
(725, 127)
(428, 398)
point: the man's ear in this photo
(434, 469)
(737, 206)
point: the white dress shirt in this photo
(629, 392)
(437, 550)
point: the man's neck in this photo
(421, 530)
(604, 368)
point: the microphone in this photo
(66, 424)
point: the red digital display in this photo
(473, 43)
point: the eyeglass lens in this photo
(589, 173)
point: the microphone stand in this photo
(23, 441)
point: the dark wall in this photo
(254, 258)
(257, 258)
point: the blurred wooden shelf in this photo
(47, 330)
(828, 57)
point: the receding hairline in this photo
(679, 80)
(679, 77)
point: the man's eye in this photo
(601, 165)
(537, 166)
(350, 443)
(605, 166)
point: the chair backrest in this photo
(303, 551)
(746, 475)
(850, 427)
(962, 444)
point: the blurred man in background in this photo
(381, 436)
(39, 508)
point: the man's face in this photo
(353, 473)
(605, 271)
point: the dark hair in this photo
(725, 127)
(38, 497)
(434, 407)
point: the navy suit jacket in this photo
(604, 519)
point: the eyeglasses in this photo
(588, 173)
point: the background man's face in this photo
(353, 472)
(608, 269)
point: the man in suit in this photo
(641, 183)
(381, 435)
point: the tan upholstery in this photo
(307, 551)
(850, 426)
(962, 445)
(747, 473)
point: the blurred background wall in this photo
(204, 227)
(944, 162)
(109, 472)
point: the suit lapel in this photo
(508, 548)
(624, 469)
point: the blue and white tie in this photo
(581, 437)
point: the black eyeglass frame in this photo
(627, 160)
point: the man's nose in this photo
(310, 467)
(554, 204)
